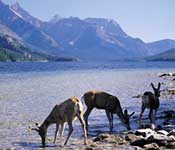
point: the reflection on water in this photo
(28, 97)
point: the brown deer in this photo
(110, 103)
(65, 112)
(151, 100)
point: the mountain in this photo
(165, 56)
(160, 46)
(85, 39)
(13, 50)
(31, 34)
(94, 38)
(25, 15)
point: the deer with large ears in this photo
(151, 100)
(110, 103)
(65, 112)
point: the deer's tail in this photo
(82, 99)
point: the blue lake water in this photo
(28, 92)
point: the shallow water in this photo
(28, 96)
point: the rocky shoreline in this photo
(144, 137)
(162, 137)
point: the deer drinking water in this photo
(65, 112)
(151, 100)
(110, 103)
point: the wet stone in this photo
(144, 132)
(108, 138)
(131, 137)
(172, 132)
(152, 146)
(140, 142)
(171, 145)
(162, 132)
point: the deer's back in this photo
(150, 100)
(68, 109)
(101, 100)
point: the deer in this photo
(67, 111)
(151, 101)
(108, 102)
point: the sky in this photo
(150, 20)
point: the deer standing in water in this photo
(110, 103)
(151, 100)
(65, 112)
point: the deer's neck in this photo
(48, 121)
(120, 112)
(46, 124)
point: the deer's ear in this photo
(125, 112)
(153, 86)
(159, 84)
(131, 114)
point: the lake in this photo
(29, 91)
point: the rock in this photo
(162, 132)
(172, 132)
(88, 148)
(152, 146)
(109, 138)
(136, 148)
(169, 127)
(101, 137)
(131, 137)
(166, 74)
(169, 114)
(171, 145)
(145, 132)
(140, 142)
(160, 139)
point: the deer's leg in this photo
(56, 131)
(81, 119)
(151, 115)
(61, 132)
(70, 131)
(142, 111)
(154, 116)
(110, 120)
(86, 115)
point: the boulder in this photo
(145, 132)
(131, 137)
(160, 139)
(140, 142)
(162, 132)
(109, 138)
(152, 146)
(172, 132)
(171, 145)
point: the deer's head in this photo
(126, 118)
(42, 132)
(156, 90)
